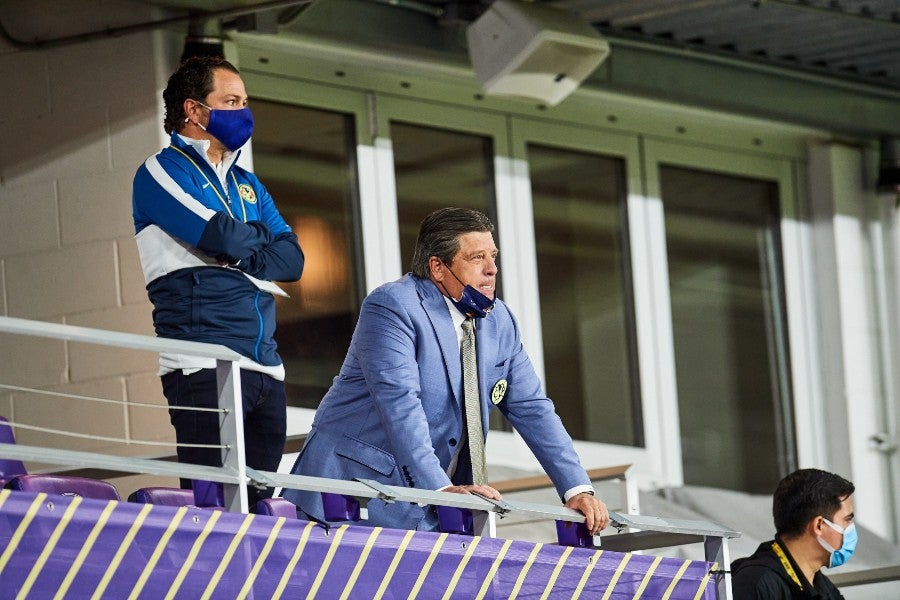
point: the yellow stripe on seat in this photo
(354, 575)
(556, 571)
(85, 550)
(192, 555)
(120, 553)
(289, 569)
(493, 570)
(48, 548)
(158, 551)
(615, 578)
(385, 581)
(592, 562)
(320, 576)
(423, 575)
(460, 568)
(226, 559)
(263, 555)
(647, 577)
(524, 572)
(20, 530)
(675, 579)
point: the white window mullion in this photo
(653, 316)
(802, 307)
(378, 213)
(518, 256)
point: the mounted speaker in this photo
(534, 51)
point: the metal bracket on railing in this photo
(617, 522)
(501, 506)
(257, 479)
(384, 493)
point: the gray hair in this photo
(439, 236)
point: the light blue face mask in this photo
(848, 545)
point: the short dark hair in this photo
(439, 236)
(192, 81)
(804, 495)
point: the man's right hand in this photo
(485, 490)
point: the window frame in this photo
(795, 252)
(660, 460)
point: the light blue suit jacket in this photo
(394, 413)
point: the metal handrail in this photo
(866, 576)
(134, 341)
(235, 475)
(228, 376)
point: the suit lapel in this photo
(436, 308)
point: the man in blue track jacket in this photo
(211, 243)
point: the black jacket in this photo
(765, 576)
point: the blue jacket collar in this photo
(176, 140)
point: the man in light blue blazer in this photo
(395, 413)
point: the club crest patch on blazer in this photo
(499, 391)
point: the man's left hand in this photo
(596, 515)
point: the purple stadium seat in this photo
(276, 507)
(9, 467)
(65, 486)
(208, 493)
(167, 496)
(453, 519)
(340, 507)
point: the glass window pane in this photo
(725, 280)
(305, 157)
(579, 222)
(436, 168)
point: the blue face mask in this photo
(848, 545)
(231, 127)
(471, 303)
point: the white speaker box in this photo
(531, 50)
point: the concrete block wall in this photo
(855, 405)
(77, 121)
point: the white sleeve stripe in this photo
(168, 184)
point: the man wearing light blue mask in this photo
(813, 515)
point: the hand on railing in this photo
(481, 490)
(596, 514)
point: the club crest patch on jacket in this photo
(247, 194)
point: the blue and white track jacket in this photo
(186, 227)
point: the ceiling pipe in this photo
(420, 7)
(148, 25)
(834, 10)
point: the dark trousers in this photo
(265, 421)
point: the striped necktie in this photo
(474, 430)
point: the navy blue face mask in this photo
(471, 303)
(231, 127)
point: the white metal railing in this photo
(866, 576)
(645, 531)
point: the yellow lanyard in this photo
(786, 564)
(214, 188)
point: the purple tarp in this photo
(82, 547)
